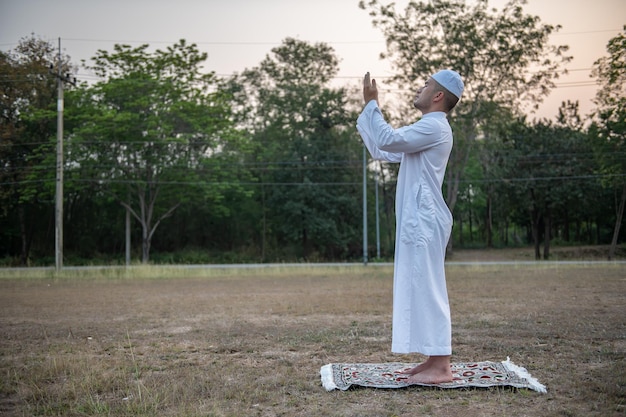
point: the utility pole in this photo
(128, 234)
(58, 211)
(364, 206)
(377, 216)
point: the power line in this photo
(256, 42)
(313, 183)
(587, 32)
(268, 43)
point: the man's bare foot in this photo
(430, 376)
(413, 371)
(435, 370)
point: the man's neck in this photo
(432, 109)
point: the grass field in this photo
(250, 342)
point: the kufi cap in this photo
(451, 80)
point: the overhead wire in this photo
(309, 183)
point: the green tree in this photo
(28, 94)
(491, 155)
(610, 125)
(504, 57)
(145, 132)
(305, 149)
(548, 174)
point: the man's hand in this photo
(370, 92)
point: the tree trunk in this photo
(146, 209)
(25, 240)
(505, 238)
(489, 224)
(264, 231)
(618, 223)
(536, 242)
(547, 224)
(145, 245)
(471, 233)
(535, 220)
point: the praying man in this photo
(421, 311)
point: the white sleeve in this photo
(417, 137)
(365, 124)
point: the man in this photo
(421, 312)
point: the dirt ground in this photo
(251, 342)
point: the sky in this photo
(238, 34)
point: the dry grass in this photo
(251, 342)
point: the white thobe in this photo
(421, 311)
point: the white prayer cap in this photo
(451, 81)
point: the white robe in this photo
(421, 311)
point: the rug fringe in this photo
(327, 377)
(523, 373)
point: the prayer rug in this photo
(387, 375)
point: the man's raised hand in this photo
(370, 91)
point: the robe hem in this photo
(441, 351)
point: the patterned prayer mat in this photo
(387, 375)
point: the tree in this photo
(305, 148)
(491, 154)
(27, 141)
(144, 133)
(504, 58)
(610, 125)
(548, 173)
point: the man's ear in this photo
(439, 96)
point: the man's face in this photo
(424, 95)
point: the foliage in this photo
(28, 95)
(267, 166)
(549, 174)
(305, 149)
(149, 126)
(610, 127)
(503, 56)
(610, 124)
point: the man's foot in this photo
(436, 370)
(413, 371)
(431, 376)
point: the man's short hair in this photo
(449, 99)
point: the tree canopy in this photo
(28, 95)
(304, 148)
(147, 126)
(610, 125)
(267, 166)
(504, 58)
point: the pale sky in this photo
(238, 34)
